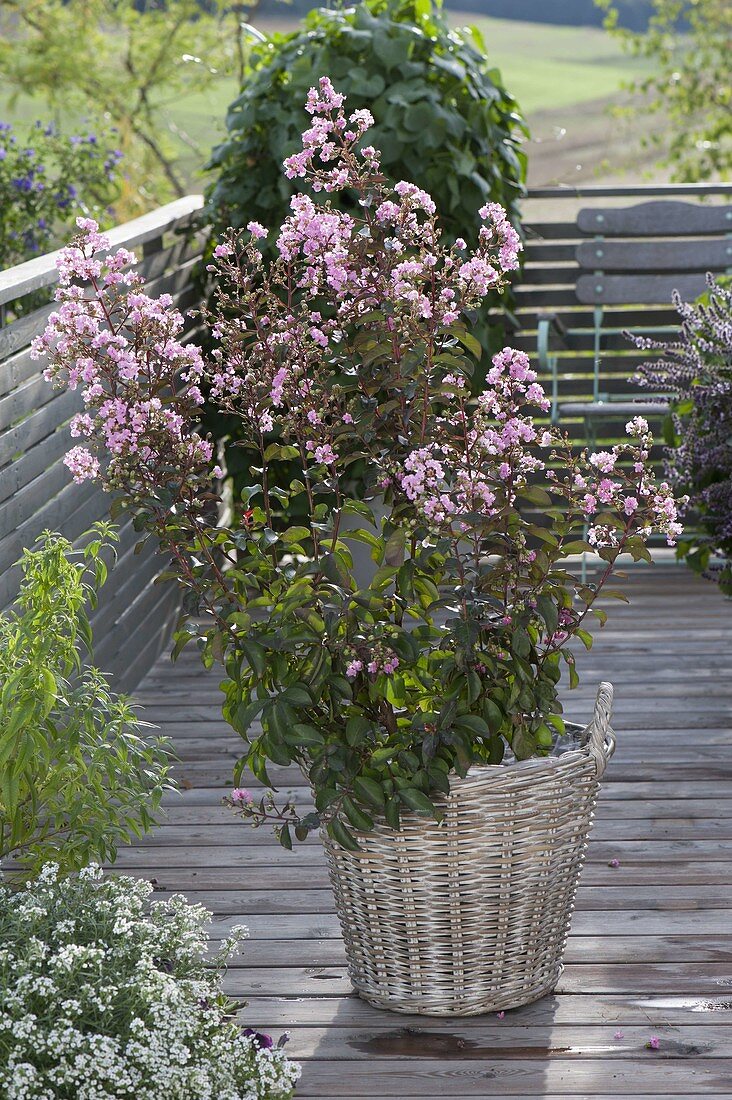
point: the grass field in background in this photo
(547, 68)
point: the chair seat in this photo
(615, 408)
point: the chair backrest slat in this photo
(637, 289)
(657, 219)
(649, 257)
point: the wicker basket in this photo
(471, 915)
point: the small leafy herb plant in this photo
(78, 771)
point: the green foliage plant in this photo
(355, 344)
(77, 774)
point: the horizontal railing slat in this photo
(38, 425)
(129, 663)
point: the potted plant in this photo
(423, 709)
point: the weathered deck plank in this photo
(651, 946)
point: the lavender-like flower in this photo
(695, 369)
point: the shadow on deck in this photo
(651, 945)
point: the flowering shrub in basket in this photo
(103, 995)
(354, 344)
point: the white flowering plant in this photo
(105, 995)
(354, 344)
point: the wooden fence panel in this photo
(133, 621)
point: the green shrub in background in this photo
(75, 775)
(443, 118)
(443, 121)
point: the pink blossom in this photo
(604, 461)
(324, 454)
(638, 426)
(241, 795)
(82, 464)
(257, 230)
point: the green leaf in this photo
(547, 608)
(474, 724)
(303, 734)
(357, 817)
(343, 835)
(255, 654)
(357, 727)
(419, 802)
(368, 790)
(297, 695)
(394, 548)
(295, 534)
(391, 813)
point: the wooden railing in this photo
(133, 620)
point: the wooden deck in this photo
(651, 946)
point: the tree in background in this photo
(690, 42)
(123, 62)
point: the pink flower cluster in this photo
(326, 135)
(372, 657)
(478, 461)
(620, 481)
(479, 458)
(124, 349)
(436, 283)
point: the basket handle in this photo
(601, 740)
